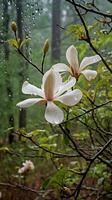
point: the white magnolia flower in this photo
(27, 166)
(52, 89)
(74, 68)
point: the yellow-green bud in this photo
(14, 26)
(46, 46)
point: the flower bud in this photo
(67, 190)
(14, 26)
(46, 46)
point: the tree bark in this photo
(6, 20)
(22, 74)
(56, 31)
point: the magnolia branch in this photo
(91, 10)
(22, 187)
(73, 142)
(96, 131)
(88, 39)
(21, 53)
(45, 149)
(88, 111)
(78, 188)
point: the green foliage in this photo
(17, 43)
(62, 177)
(88, 134)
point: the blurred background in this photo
(57, 21)
(39, 20)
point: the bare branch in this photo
(91, 10)
(88, 40)
(88, 111)
(78, 188)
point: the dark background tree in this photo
(23, 64)
(56, 30)
(6, 21)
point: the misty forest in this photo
(56, 100)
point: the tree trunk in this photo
(6, 18)
(56, 31)
(22, 74)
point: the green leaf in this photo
(45, 184)
(48, 146)
(52, 136)
(65, 140)
(15, 43)
(36, 132)
(4, 149)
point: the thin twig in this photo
(74, 143)
(46, 150)
(21, 53)
(78, 188)
(88, 111)
(91, 10)
(43, 59)
(88, 40)
(22, 187)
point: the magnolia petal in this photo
(66, 86)
(72, 57)
(53, 113)
(51, 83)
(70, 98)
(88, 61)
(29, 102)
(28, 88)
(89, 74)
(60, 67)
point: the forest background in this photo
(87, 26)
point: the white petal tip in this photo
(98, 58)
(89, 74)
(53, 114)
(19, 105)
(71, 98)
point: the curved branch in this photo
(78, 188)
(88, 111)
(74, 143)
(19, 186)
(46, 150)
(21, 53)
(88, 40)
(91, 10)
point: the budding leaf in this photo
(46, 46)
(25, 41)
(18, 43)
(13, 42)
